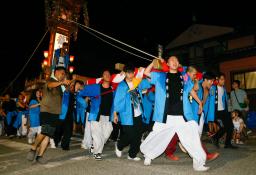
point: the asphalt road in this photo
(79, 162)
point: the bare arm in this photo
(34, 106)
(148, 69)
(59, 83)
(194, 95)
(115, 117)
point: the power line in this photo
(114, 45)
(26, 63)
(113, 39)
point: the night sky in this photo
(143, 24)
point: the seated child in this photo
(239, 126)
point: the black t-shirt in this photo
(9, 106)
(175, 104)
(106, 101)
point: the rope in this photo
(112, 38)
(114, 45)
(26, 63)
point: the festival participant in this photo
(171, 116)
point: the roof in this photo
(198, 32)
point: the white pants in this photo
(101, 131)
(22, 130)
(201, 124)
(87, 141)
(32, 133)
(158, 139)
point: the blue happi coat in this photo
(148, 101)
(94, 92)
(123, 103)
(159, 79)
(64, 106)
(17, 123)
(213, 103)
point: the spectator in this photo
(239, 126)
(239, 100)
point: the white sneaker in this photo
(201, 168)
(30, 141)
(118, 152)
(147, 161)
(135, 158)
(52, 144)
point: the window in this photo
(247, 79)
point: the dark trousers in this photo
(131, 135)
(225, 124)
(9, 129)
(63, 132)
(115, 132)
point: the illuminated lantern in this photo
(71, 58)
(45, 54)
(45, 62)
(71, 69)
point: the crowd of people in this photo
(148, 109)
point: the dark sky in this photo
(143, 24)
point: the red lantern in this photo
(71, 58)
(71, 69)
(45, 54)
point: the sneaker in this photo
(135, 158)
(41, 160)
(173, 157)
(201, 168)
(212, 156)
(147, 161)
(52, 144)
(97, 156)
(249, 132)
(118, 152)
(31, 155)
(30, 141)
(240, 143)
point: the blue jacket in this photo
(93, 91)
(64, 106)
(188, 110)
(81, 106)
(123, 104)
(148, 101)
(34, 114)
(17, 123)
(213, 103)
(159, 79)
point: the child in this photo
(34, 111)
(239, 126)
